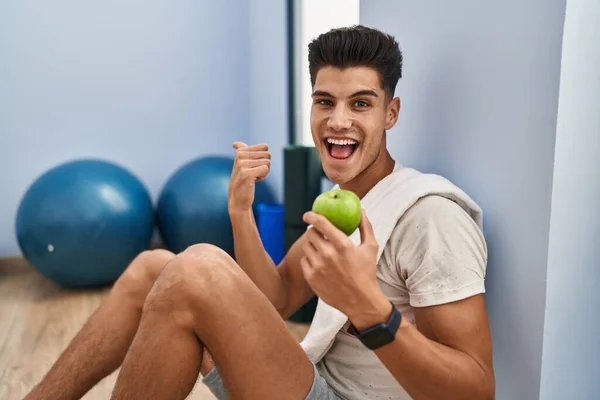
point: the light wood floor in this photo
(37, 322)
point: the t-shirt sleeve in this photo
(440, 252)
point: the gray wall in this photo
(571, 357)
(480, 95)
(147, 84)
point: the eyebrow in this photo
(368, 92)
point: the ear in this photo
(392, 112)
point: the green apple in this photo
(341, 207)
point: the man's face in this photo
(349, 115)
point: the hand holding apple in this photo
(340, 273)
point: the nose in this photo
(339, 119)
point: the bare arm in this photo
(252, 257)
(284, 285)
(447, 355)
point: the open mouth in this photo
(341, 148)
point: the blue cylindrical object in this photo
(270, 227)
(192, 205)
(81, 223)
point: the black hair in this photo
(358, 46)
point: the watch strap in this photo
(380, 334)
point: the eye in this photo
(325, 102)
(361, 104)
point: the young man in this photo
(169, 316)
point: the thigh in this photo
(256, 354)
(207, 362)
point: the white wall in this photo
(479, 95)
(313, 17)
(149, 84)
(571, 356)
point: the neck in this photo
(379, 169)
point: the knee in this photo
(208, 267)
(207, 254)
(197, 277)
(137, 280)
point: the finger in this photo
(325, 227)
(239, 145)
(254, 147)
(255, 173)
(247, 155)
(261, 172)
(252, 163)
(311, 253)
(367, 235)
(326, 254)
(307, 270)
(316, 239)
(258, 173)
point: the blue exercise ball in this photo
(81, 223)
(192, 206)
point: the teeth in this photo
(341, 142)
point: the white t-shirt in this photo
(436, 254)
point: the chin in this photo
(340, 173)
(338, 178)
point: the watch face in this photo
(381, 334)
(378, 338)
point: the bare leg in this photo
(203, 299)
(101, 345)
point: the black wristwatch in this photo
(381, 334)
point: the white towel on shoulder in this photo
(384, 204)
